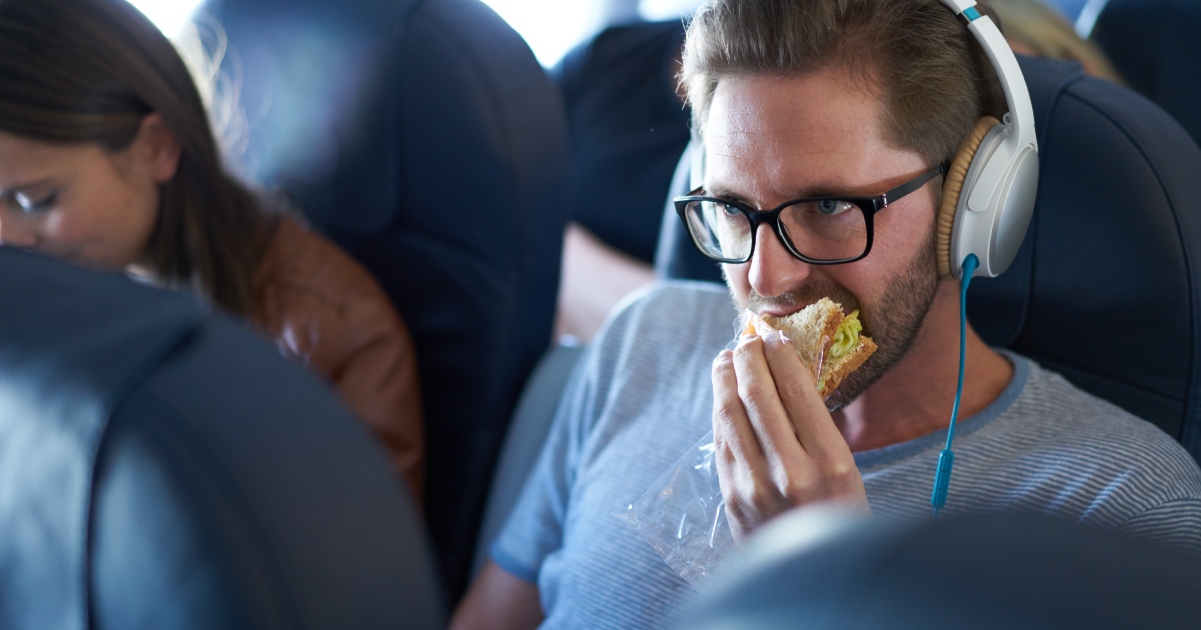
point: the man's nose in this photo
(774, 270)
(15, 233)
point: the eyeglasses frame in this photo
(869, 206)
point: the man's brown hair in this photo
(933, 77)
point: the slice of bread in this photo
(813, 330)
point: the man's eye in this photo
(29, 203)
(832, 207)
(730, 211)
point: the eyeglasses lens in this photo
(820, 230)
(720, 230)
(829, 229)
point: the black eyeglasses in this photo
(818, 230)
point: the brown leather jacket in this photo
(323, 309)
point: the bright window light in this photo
(550, 27)
(655, 10)
(169, 15)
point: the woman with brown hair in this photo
(107, 159)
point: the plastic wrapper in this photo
(682, 514)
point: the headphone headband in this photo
(1017, 96)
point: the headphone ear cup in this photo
(952, 188)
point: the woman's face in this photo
(82, 203)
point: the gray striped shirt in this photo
(642, 396)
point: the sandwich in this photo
(828, 343)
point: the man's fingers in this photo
(767, 414)
(732, 430)
(761, 463)
(798, 394)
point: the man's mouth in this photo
(780, 311)
(788, 303)
(778, 306)
(784, 310)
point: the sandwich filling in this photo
(847, 336)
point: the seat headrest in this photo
(989, 571)
(426, 140)
(164, 467)
(1154, 45)
(1105, 289)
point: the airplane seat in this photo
(1106, 288)
(163, 467)
(424, 138)
(1153, 43)
(527, 433)
(991, 571)
(675, 255)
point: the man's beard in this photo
(893, 323)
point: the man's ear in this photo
(158, 147)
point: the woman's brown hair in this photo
(89, 71)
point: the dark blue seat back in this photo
(992, 571)
(1107, 286)
(423, 136)
(1154, 44)
(676, 256)
(165, 468)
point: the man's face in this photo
(770, 140)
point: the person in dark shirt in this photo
(628, 126)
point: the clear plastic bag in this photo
(682, 514)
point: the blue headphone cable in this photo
(946, 459)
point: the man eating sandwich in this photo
(801, 104)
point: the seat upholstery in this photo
(1106, 288)
(1154, 44)
(161, 467)
(675, 255)
(423, 137)
(527, 433)
(988, 571)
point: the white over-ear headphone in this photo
(994, 198)
(988, 195)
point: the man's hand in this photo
(777, 446)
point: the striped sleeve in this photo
(1176, 523)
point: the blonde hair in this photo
(204, 47)
(933, 77)
(1037, 28)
